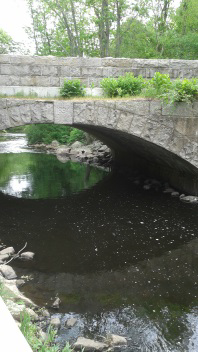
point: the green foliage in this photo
(123, 86)
(31, 333)
(182, 91)
(76, 135)
(157, 86)
(160, 86)
(46, 133)
(72, 88)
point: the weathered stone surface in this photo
(42, 112)
(55, 322)
(8, 250)
(8, 272)
(63, 112)
(27, 255)
(116, 340)
(71, 322)
(178, 109)
(124, 121)
(137, 107)
(88, 345)
(84, 112)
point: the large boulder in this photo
(76, 145)
(8, 250)
(8, 272)
(88, 345)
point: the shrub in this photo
(182, 91)
(157, 86)
(110, 87)
(46, 133)
(76, 135)
(72, 88)
(123, 86)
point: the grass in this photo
(30, 329)
(31, 333)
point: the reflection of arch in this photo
(143, 134)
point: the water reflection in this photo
(43, 176)
(122, 260)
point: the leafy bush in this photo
(157, 86)
(123, 86)
(46, 133)
(72, 88)
(76, 135)
(182, 91)
(110, 87)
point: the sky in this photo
(14, 17)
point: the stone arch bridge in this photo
(157, 139)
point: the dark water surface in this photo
(122, 259)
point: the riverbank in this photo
(38, 326)
(95, 153)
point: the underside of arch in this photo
(144, 157)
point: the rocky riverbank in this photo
(96, 153)
(43, 324)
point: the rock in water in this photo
(55, 322)
(56, 303)
(27, 255)
(71, 322)
(8, 272)
(88, 345)
(9, 251)
(116, 340)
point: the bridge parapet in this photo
(45, 74)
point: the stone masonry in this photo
(49, 71)
(156, 133)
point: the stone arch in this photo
(146, 135)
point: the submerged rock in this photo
(175, 194)
(4, 257)
(89, 345)
(116, 340)
(56, 303)
(71, 322)
(9, 251)
(8, 272)
(27, 255)
(189, 199)
(55, 322)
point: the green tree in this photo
(7, 44)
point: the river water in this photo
(122, 259)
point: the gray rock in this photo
(27, 255)
(4, 257)
(71, 322)
(8, 250)
(56, 303)
(89, 345)
(45, 313)
(8, 272)
(147, 187)
(189, 199)
(20, 282)
(175, 194)
(55, 322)
(55, 144)
(169, 190)
(116, 340)
(76, 145)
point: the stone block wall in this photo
(49, 71)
